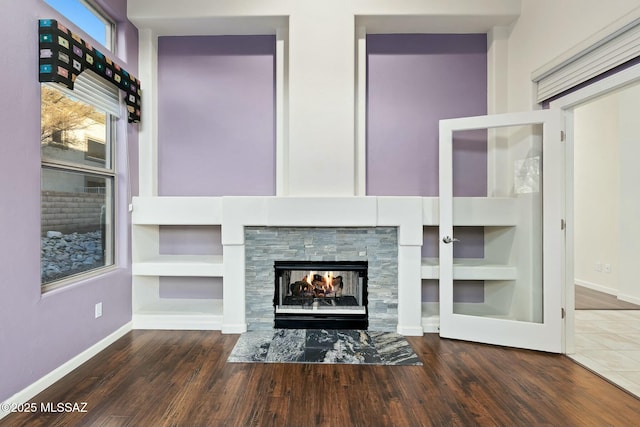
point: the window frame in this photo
(97, 11)
(110, 24)
(109, 173)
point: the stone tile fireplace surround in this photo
(377, 245)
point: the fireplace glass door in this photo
(322, 295)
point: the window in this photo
(78, 169)
(89, 18)
(77, 190)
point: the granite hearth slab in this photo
(353, 347)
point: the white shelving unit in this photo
(150, 311)
(180, 314)
(499, 217)
(151, 214)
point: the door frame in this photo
(567, 104)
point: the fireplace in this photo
(321, 294)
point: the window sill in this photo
(78, 279)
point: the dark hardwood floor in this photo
(589, 299)
(181, 378)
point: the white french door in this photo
(502, 250)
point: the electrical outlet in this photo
(598, 266)
(98, 309)
(607, 268)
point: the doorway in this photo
(601, 176)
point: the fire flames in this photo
(318, 285)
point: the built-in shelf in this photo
(149, 215)
(473, 211)
(485, 211)
(182, 306)
(180, 265)
(177, 211)
(470, 269)
(179, 313)
(480, 310)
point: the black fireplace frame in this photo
(318, 319)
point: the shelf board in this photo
(179, 314)
(479, 310)
(182, 306)
(485, 211)
(180, 265)
(177, 211)
(473, 211)
(470, 269)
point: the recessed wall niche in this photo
(190, 240)
(413, 81)
(216, 115)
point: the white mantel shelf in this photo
(350, 211)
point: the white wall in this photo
(597, 194)
(607, 201)
(547, 29)
(629, 285)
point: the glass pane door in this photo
(500, 229)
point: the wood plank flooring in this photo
(589, 299)
(181, 378)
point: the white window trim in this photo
(109, 24)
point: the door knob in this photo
(448, 239)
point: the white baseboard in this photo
(231, 328)
(29, 392)
(431, 324)
(610, 291)
(629, 298)
(596, 287)
(410, 331)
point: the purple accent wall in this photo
(216, 116)
(469, 291)
(190, 240)
(413, 81)
(471, 244)
(38, 333)
(191, 287)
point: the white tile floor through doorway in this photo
(608, 343)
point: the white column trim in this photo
(282, 112)
(361, 112)
(148, 127)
